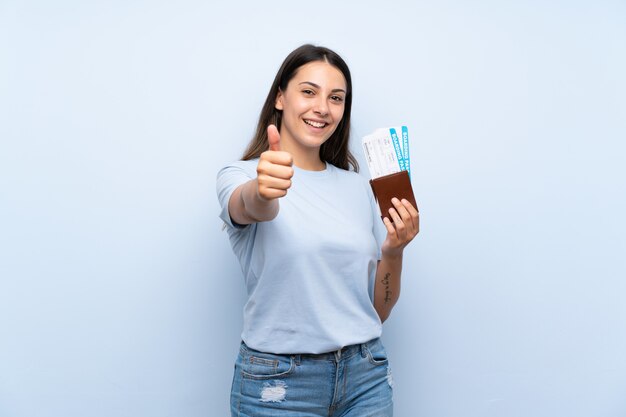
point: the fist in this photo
(274, 170)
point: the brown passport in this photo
(393, 185)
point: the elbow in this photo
(263, 217)
(383, 317)
(383, 313)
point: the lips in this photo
(313, 123)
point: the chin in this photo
(315, 143)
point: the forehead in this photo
(321, 73)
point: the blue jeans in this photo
(352, 382)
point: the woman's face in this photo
(312, 104)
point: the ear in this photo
(278, 104)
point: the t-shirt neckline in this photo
(314, 174)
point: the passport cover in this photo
(393, 185)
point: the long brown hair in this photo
(335, 150)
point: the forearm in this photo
(387, 286)
(246, 206)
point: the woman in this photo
(321, 276)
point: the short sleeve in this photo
(379, 230)
(378, 227)
(228, 179)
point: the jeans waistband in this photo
(336, 355)
(344, 352)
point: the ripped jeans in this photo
(352, 382)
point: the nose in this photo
(321, 107)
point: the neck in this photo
(303, 157)
(310, 165)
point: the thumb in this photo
(273, 137)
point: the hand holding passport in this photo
(388, 161)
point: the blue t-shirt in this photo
(310, 272)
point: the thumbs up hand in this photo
(274, 170)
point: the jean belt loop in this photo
(297, 358)
(364, 350)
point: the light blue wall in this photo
(119, 295)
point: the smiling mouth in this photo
(319, 125)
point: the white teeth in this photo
(314, 124)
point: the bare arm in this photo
(404, 228)
(246, 206)
(387, 288)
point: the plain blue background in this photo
(119, 294)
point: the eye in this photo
(308, 92)
(337, 99)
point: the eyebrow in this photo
(336, 90)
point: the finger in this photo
(278, 157)
(389, 226)
(398, 224)
(273, 137)
(273, 169)
(280, 171)
(402, 211)
(275, 183)
(414, 212)
(404, 215)
(417, 223)
(271, 193)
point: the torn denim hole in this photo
(389, 377)
(273, 392)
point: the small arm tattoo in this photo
(385, 282)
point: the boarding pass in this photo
(387, 151)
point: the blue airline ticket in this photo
(386, 153)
